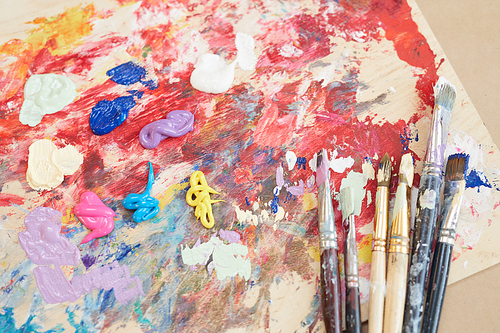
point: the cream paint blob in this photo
(428, 199)
(212, 75)
(45, 94)
(368, 170)
(48, 165)
(227, 259)
(357, 182)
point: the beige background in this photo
(469, 33)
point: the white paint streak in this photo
(428, 199)
(357, 181)
(340, 164)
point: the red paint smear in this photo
(9, 199)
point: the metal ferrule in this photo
(381, 219)
(351, 253)
(453, 194)
(326, 218)
(400, 230)
(436, 144)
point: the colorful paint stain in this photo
(240, 139)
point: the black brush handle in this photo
(425, 225)
(352, 310)
(330, 290)
(437, 287)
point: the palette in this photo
(354, 77)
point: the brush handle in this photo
(437, 282)
(330, 290)
(353, 305)
(352, 310)
(425, 224)
(377, 292)
(397, 267)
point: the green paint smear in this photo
(357, 181)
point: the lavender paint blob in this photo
(176, 124)
(230, 236)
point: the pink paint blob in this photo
(95, 216)
(322, 170)
(298, 189)
(230, 236)
(177, 123)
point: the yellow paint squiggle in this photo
(199, 196)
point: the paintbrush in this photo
(454, 187)
(330, 282)
(427, 205)
(399, 249)
(377, 274)
(352, 305)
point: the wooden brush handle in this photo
(377, 292)
(437, 287)
(330, 291)
(425, 224)
(397, 268)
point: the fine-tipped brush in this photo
(353, 305)
(454, 187)
(330, 279)
(377, 274)
(399, 249)
(427, 206)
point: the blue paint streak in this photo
(108, 115)
(108, 299)
(476, 179)
(80, 327)
(8, 324)
(127, 73)
(246, 199)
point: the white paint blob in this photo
(212, 75)
(228, 260)
(368, 170)
(357, 182)
(313, 162)
(45, 94)
(291, 159)
(340, 164)
(48, 165)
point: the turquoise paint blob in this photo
(145, 206)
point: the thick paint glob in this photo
(199, 196)
(48, 165)
(177, 123)
(145, 206)
(212, 75)
(130, 73)
(95, 216)
(45, 246)
(108, 115)
(45, 94)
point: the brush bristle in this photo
(406, 169)
(456, 167)
(445, 93)
(347, 201)
(384, 171)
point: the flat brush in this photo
(352, 305)
(330, 280)
(454, 187)
(427, 205)
(399, 249)
(377, 273)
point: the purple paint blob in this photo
(45, 246)
(230, 236)
(176, 124)
(88, 261)
(296, 190)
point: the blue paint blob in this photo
(108, 115)
(127, 73)
(150, 84)
(476, 179)
(246, 199)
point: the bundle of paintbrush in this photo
(427, 205)
(454, 187)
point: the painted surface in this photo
(317, 83)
